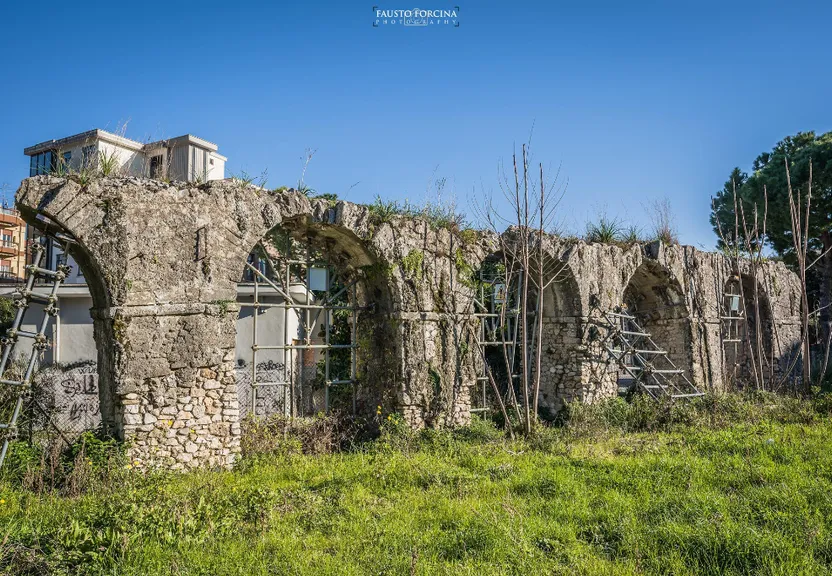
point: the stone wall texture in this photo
(162, 262)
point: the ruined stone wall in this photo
(684, 290)
(162, 262)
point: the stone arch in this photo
(494, 294)
(350, 264)
(656, 298)
(59, 224)
(743, 352)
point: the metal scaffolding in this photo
(733, 325)
(17, 390)
(496, 307)
(326, 303)
(645, 362)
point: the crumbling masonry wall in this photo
(681, 291)
(162, 262)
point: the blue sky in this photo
(634, 101)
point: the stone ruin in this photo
(162, 262)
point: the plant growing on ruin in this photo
(412, 264)
(632, 235)
(331, 199)
(605, 230)
(225, 306)
(664, 222)
(246, 180)
(382, 211)
(438, 214)
(108, 162)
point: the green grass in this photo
(729, 497)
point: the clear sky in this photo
(633, 100)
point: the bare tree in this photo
(745, 249)
(800, 235)
(520, 229)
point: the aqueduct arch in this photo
(656, 298)
(163, 262)
(309, 307)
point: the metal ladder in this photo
(634, 350)
(23, 297)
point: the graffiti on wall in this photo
(69, 394)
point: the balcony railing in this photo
(10, 218)
(8, 246)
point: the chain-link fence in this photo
(62, 402)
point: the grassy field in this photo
(618, 490)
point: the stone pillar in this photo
(174, 394)
(162, 263)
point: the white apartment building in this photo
(185, 158)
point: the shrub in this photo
(605, 231)
(664, 222)
(7, 313)
(86, 465)
(642, 414)
(278, 435)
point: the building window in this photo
(156, 167)
(66, 158)
(43, 163)
(88, 155)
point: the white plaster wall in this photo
(76, 342)
(131, 162)
(217, 171)
(269, 330)
(75, 163)
(31, 323)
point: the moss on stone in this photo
(469, 236)
(465, 273)
(413, 264)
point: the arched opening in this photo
(659, 324)
(497, 307)
(310, 300)
(747, 332)
(71, 384)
